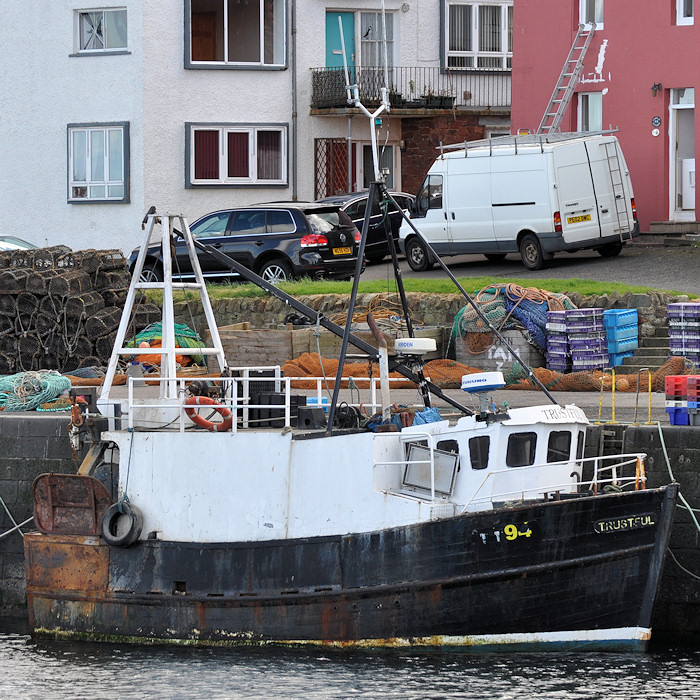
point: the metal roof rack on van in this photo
(521, 140)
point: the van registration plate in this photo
(577, 219)
(342, 251)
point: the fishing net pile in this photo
(506, 307)
(152, 337)
(594, 381)
(60, 309)
(27, 391)
(447, 374)
(443, 373)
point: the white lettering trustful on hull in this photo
(634, 522)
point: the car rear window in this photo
(326, 221)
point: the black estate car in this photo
(354, 204)
(279, 241)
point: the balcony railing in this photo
(413, 88)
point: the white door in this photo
(577, 200)
(682, 155)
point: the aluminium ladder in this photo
(168, 351)
(624, 217)
(570, 74)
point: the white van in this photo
(536, 195)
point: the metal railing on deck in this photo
(414, 87)
(236, 396)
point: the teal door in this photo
(334, 47)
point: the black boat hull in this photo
(579, 571)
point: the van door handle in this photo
(445, 216)
(453, 216)
(604, 211)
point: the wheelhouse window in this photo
(591, 11)
(590, 111)
(521, 449)
(237, 32)
(98, 162)
(478, 35)
(479, 451)
(559, 446)
(685, 12)
(101, 30)
(237, 155)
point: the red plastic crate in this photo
(677, 387)
(693, 386)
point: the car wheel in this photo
(610, 250)
(276, 271)
(151, 273)
(495, 257)
(417, 255)
(531, 252)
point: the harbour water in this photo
(40, 670)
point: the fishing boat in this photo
(203, 516)
(486, 531)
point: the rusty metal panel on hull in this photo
(72, 504)
(58, 563)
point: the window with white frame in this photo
(590, 111)
(371, 35)
(685, 12)
(591, 11)
(478, 34)
(232, 154)
(98, 162)
(236, 32)
(103, 30)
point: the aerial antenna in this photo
(353, 94)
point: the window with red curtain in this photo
(269, 155)
(238, 164)
(206, 155)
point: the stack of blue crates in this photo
(684, 330)
(586, 334)
(622, 330)
(558, 356)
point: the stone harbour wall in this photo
(30, 444)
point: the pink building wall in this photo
(639, 45)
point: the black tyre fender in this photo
(531, 252)
(417, 255)
(276, 270)
(121, 524)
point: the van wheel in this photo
(417, 255)
(495, 257)
(610, 250)
(531, 253)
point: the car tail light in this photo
(557, 222)
(358, 236)
(312, 240)
(634, 209)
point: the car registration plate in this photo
(342, 251)
(578, 219)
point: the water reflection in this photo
(61, 670)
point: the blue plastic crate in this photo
(622, 332)
(620, 317)
(618, 346)
(678, 416)
(617, 357)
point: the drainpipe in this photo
(295, 192)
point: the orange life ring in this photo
(202, 422)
